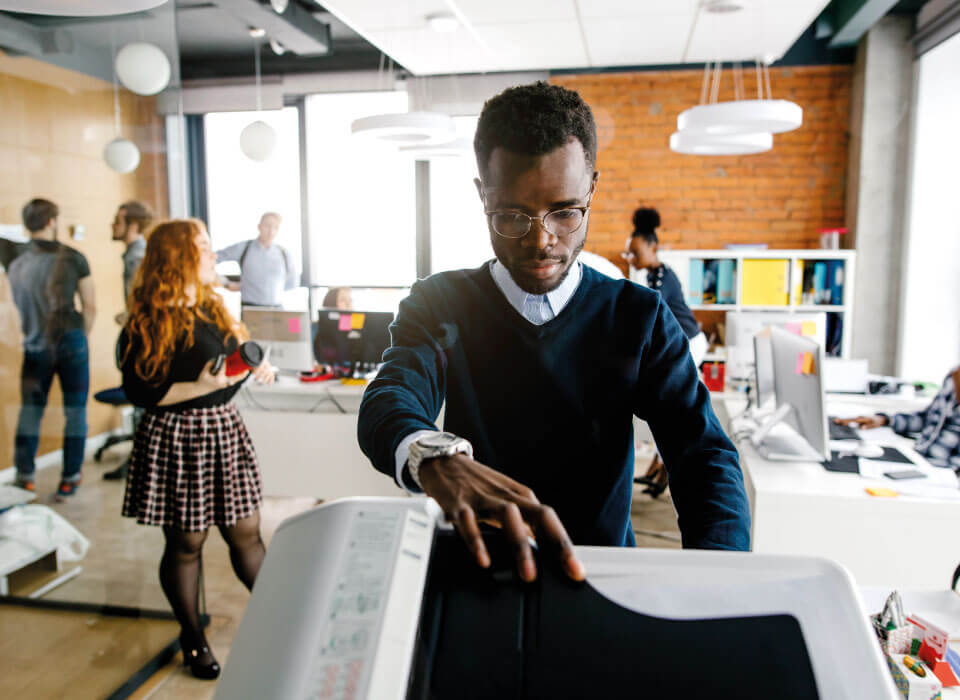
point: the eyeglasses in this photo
(559, 222)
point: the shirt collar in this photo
(557, 299)
(136, 245)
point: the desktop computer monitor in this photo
(285, 333)
(352, 342)
(763, 370)
(798, 385)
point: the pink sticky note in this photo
(294, 324)
(799, 369)
(345, 322)
(795, 328)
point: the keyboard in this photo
(842, 432)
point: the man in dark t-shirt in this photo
(46, 278)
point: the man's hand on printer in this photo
(470, 492)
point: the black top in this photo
(552, 406)
(188, 363)
(665, 281)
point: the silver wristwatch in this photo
(434, 445)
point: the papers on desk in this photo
(939, 483)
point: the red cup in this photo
(246, 357)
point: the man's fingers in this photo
(552, 530)
(466, 522)
(517, 532)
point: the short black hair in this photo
(37, 213)
(533, 120)
(646, 220)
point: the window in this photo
(362, 195)
(458, 229)
(240, 190)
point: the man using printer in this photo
(543, 363)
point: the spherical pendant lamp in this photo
(122, 155)
(142, 68)
(257, 140)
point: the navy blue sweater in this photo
(551, 406)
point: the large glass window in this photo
(240, 190)
(458, 229)
(362, 197)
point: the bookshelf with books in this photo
(792, 281)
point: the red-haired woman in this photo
(193, 463)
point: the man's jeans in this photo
(69, 360)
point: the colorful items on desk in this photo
(933, 650)
(805, 364)
(713, 375)
(913, 684)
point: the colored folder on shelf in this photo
(821, 292)
(695, 290)
(764, 282)
(835, 273)
(725, 277)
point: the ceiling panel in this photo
(521, 35)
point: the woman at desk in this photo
(193, 463)
(937, 427)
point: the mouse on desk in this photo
(868, 450)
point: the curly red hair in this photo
(160, 310)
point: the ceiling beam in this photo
(851, 19)
(56, 46)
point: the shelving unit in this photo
(679, 261)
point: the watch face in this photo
(438, 440)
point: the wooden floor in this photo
(121, 569)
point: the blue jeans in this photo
(69, 360)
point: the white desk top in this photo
(286, 384)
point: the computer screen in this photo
(351, 340)
(763, 369)
(285, 333)
(798, 381)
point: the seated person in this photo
(937, 426)
(338, 298)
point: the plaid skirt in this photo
(192, 469)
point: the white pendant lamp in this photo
(142, 68)
(258, 139)
(79, 8)
(742, 117)
(696, 144)
(122, 155)
(452, 149)
(409, 128)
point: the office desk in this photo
(305, 435)
(801, 508)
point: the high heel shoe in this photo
(193, 656)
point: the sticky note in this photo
(357, 321)
(808, 367)
(809, 328)
(881, 492)
(294, 324)
(799, 369)
(344, 324)
(794, 328)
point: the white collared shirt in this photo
(522, 301)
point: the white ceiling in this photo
(513, 35)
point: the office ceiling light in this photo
(452, 149)
(79, 8)
(257, 32)
(277, 47)
(722, 7)
(258, 139)
(742, 117)
(726, 145)
(279, 6)
(407, 128)
(443, 22)
(142, 68)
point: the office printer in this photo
(377, 598)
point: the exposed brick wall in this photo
(780, 197)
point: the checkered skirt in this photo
(192, 469)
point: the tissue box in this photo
(910, 685)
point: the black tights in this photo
(180, 569)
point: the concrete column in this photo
(876, 186)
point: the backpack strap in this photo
(243, 255)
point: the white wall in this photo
(930, 311)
